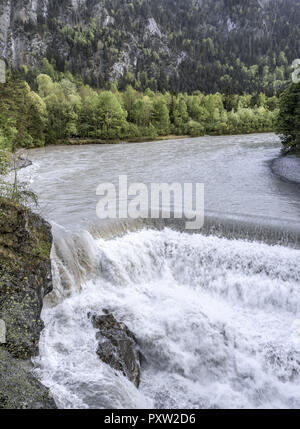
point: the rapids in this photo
(216, 313)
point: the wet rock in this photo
(117, 346)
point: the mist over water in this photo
(216, 314)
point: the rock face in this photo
(25, 278)
(179, 43)
(19, 388)
(118, 346)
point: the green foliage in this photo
(63, 105)
(195, 129)
(18, 192)
(161, 116)
(111, 116)
(230, 46)
(288, 124)
(142, 111)
(65, 109)
(5, 148)
(180, 116)
(22, 115)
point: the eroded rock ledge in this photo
(25, 278)
(117, 346)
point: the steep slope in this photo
(25, 278)
(226, 45)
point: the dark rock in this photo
(19, 389)
(25, 278)
(118, 347)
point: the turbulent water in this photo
(216, 314)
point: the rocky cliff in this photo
(25, 278)
(227, 45)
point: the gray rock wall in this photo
(25, 278)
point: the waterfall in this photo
(215, 316)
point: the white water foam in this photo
(214, 319)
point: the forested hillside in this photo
(288, 123)
(231, 46)
(61, 107)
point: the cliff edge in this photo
(25, 278)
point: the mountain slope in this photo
(211, 45)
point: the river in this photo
(216, 314)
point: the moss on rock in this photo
(25, 275)
(25, 278)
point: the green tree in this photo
(181, 116)
(142, 111)
(88, 120)
(129, 97)
(63, 106)
(111, 116)
(288, 124)
(23, 111)
(161, 117)
(196, 129)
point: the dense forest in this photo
(137, 70)
(288, 123)
(227, 46)
(60, 106)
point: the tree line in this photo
(288, 123)
(59, 106)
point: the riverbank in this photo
(25, 279)
(79, 141)
(287, 168)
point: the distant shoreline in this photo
(81, 141)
